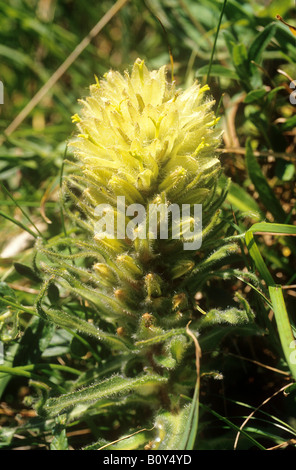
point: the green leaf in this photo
(261, 42)
(287, 339)
(60, 440)
(9, 316)
(255, 95)
(189, 436)
(53, 294)
(166, 361)
(132, 441)
(239, 198)
(256, 256)
(116, 385)
(273, 93)
(7, 292)
(215, 257)
(240, 59)
(289, 124)
(9, 353)
(266, 193)
(236, 10)
(284, 170)
(279, 229)
(34, 341)
(171, 428)
(286, 40)
(160, 338)
(177, 347)
(129, 442)
(232, 316)
(218, 71)
(276, 229)
(6, 436)
(77, 348)
(66, 320)
(27, 272)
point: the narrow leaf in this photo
(261, 42)
(171, 429)
(257, 258)
(115, 385)
(218, 71)
(27, 272)
(255, 95)
(65, 320)
(266, 193)
(287, 339)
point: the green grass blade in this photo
(287, 339)
(261, 228)
(215, 41)
(192, 424)
(26, 372)
(276, 229)
(257, 257)
(232, 425)
(20, 224)
(276, 295)
(20, 208)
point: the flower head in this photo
(140, 137)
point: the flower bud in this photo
(153, 285)
(129, 266)
(107, 276)
(182, 267)
(180, 301)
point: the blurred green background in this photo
(249, 66)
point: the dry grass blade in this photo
(283, 444)
(64, 67)
(124, 438)
(256, 409)
(197, 351)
